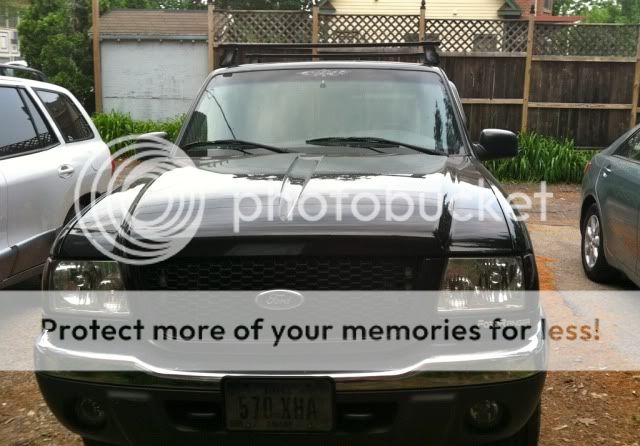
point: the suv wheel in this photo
(593, 260)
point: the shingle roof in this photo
(150, 23)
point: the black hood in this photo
(290, 188)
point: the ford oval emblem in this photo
(279, 300)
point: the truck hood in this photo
(449, 203)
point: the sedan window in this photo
(630, 149)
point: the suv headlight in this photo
(93, 287)
(483, 284)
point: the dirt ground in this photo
(585, 409)
(588, 408)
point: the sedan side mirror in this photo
(150, 142)
(496, 144)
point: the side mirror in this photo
(150, 142)
(496, 144)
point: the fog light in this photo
(90, 413)
(485, 415)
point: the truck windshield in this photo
(310, 110)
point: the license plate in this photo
(278, 405)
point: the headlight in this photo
(88, 287)
(483, 284)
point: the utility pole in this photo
(97, 59)
(211, 49)
(422, 28)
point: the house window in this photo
(4, 42)
(548, 5)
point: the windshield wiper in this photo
(234, 144)
(367, 141)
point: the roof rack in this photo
(10, 70)
(233, 52)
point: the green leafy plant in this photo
(542, 159)
(115, 125)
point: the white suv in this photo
(46, 138)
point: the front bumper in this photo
(421, 405)
(496, 366)
(155, 406)
(170, 416)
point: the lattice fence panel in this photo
(478, 36)
(585, 40)
(262, 27)
(368, 28)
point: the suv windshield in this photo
(324, 111)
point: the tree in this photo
(566, 7)
(614, 11)
(600, 11)
(54, 38)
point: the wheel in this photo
(528, 435)
(593, 260)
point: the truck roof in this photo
(16, 81)
(407, 66)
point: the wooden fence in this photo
(567, 81)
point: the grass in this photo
(542, 158)
(115, 125)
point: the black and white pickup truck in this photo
(295, 130)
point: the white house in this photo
(446, 9)
(9, 47)
(442, 9)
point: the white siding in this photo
(152, 79)
(441, 9)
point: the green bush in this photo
(542, 159)
(115, 125)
